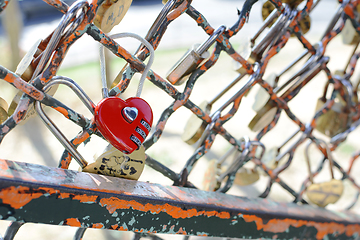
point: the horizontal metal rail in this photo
(40, 194)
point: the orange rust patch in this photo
(181, 231)
(281, 225)
(112, 204)
(61, 110)
(122, 228)
(74, 222)
(98, 225)
(18, 197)
(85, 198)
(64, 195)
(3, 165)
(115, 226)
(81, 138)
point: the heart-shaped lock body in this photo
(125, 124)
(325, 193)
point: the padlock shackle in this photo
(323, 144)
(312, 64)
(238, 163)
(53, 128)
(259, 48)
(349, 96)
(336, 17)
(209, 127)
(226, 89)
(105, 90)
(59, 32)
(158, 21)
(274, 14)
(337, 139)
(254, 77)
(294, 145)
(298, 59)
(60, 136)
(210, 41)
(76, 88)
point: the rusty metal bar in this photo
(40, 194)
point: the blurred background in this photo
(37, 20)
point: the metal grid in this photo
(77, 21)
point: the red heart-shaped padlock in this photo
(125, 124)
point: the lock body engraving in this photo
(117, 164)
(123, 134)
(110, 14)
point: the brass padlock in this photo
(110, 13)
(263, 117)
(266, 10)
(262, 96)
(192, 59)
(117, 164)
(3, 110)
(322, 194)
(25, 68)
(246, 176)
(336, 119)
(349, 33)
(212, 172)
(219, 170)
(287, 91)
(269, 159)
(305, 22)
(195, 126)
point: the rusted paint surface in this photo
(102, 202)
(94, 201)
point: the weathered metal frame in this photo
(28, 190)
(39, 194)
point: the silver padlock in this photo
(191, 60)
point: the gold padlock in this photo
(263, 117)
(191, 60)
(262, 96)
(25, 69)
(3, 110)
(212, 172)
(336, 119)
(246, 176)
(349, 33)
(117, 164)
(110, 13)
(268, 7)
(269, 159)
(195, 127)
(322, 194)
(31, 111)
(266, 10)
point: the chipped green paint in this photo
(150, 208)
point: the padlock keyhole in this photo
(130, 113)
